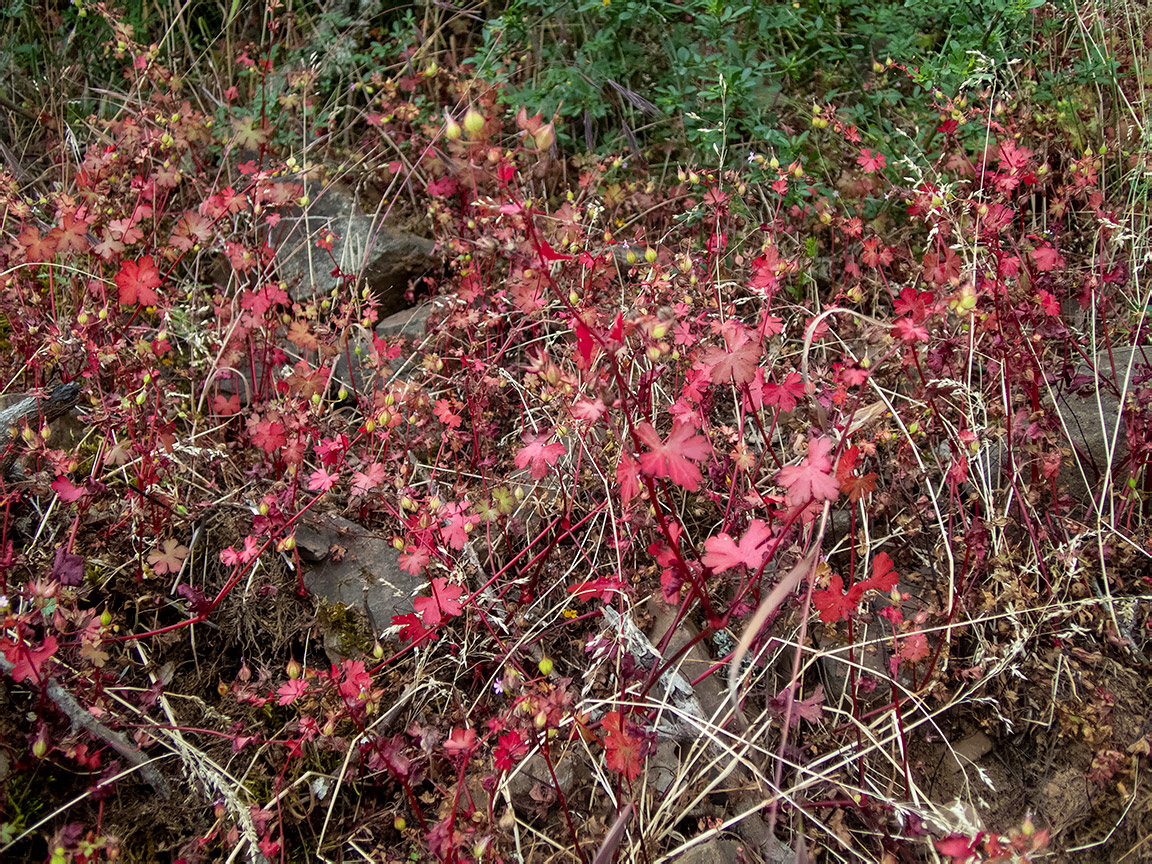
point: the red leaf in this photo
(620, 748)
(811, 480)
(67, 490)
(851, 485)
(169, 558)
(735, 362)
(547, 253)
(290, 691)
(600, 588)
(443, 602)
(628, 476)
(540, 455)
(833, 604)
(412, 629)
(913, 647)
(909, 331)
(914, 303)
(461, 742)
(584, 344)
(1013, 158)
(810, 709)
(807, 709)
(870, 161)
(414, 561)
(445, 414)
(722, 553)
(883, 576)
(784, 396)
(957, 847)
(673, 458)
(509, 750)
(364, 481)
(28, 662)
(226, 405)
(321, 481)
(1046, 258)
(137, 281)
(269, 436)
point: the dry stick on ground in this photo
(75, 712)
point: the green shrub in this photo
(713, 74)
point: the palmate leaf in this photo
(137, 281)
(673, 458)
(811, 480)
(622, 751)
(540, 455)
(723, 553)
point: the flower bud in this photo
(452, 129)
(544, 136)
(294, 669)
(473, 123)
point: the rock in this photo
(386, 260)
(710, 692)
(712, 851)
(531, 783)
(967, 752)
(672, 686)
(662, 767)
(869, 656)
(1090, 424)
(347, 564)
(33, 410)
(410, 323)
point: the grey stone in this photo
(710, 691)
(385, 260)
(358, 376)
(713, 851)
(869, 658)
(533, 772)
(662, 767)
(1089, 421)
(348, 564)
(967, 752)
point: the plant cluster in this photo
(817, 415)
